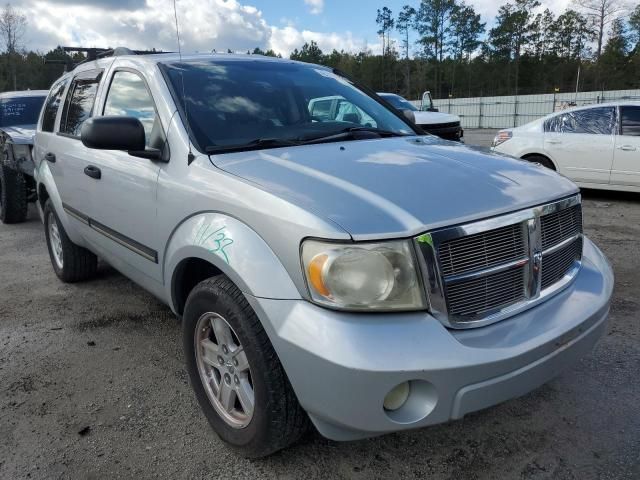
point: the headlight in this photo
(502, 137)
(368, 276)
(21, 151)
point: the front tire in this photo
(13, 196)
(237, 377)
(71, 262)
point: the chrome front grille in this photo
(558, 226)
(482, 272)
(555, 265)
(482, 250)
(486, 293)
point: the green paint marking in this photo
(426, 238)
(215, 242)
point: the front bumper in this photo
(342, 365)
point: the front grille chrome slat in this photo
(485, 271)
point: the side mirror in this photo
(113, 133)
(409, 115)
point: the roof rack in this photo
(94, 53)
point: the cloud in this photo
(316, 6)
(144, 24)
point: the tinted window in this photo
(234, 102)
(79, 105)
(52, 104)
(598, 121)
(630, 121)
(20, 111)
(128, 96)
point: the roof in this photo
(153, 59)
(25, 93)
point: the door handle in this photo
(93, 172)
(50, 157)
(627, 148)
(554, 142)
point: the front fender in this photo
(235, 249)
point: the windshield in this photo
(400, 103)
(20, 111)
(265, 104)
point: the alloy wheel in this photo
(224, 370)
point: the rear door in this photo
(581, 143)
(65, 150)
(626, 160)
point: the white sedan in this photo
(596, 146)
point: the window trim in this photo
(87, 75)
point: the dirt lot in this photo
(92, 385)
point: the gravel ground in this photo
(92, 385)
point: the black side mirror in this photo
(409, 115)
(118, 133)
(113, 133)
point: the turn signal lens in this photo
(315, 274)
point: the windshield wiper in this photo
(257, 144)
(351, 132)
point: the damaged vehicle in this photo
(19, 113)
(344, 271)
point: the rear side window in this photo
(79, 104)
(595, 121)
(51, 106)
(630, 121)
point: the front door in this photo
(626, 160)
(580, 142)
(123, 209)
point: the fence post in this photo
(480, 115)
(515, 113)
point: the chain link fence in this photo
(513, 111)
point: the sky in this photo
(239, 25)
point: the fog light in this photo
(397, 397)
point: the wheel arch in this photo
(211, 243)
(530, 155)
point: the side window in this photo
(630, 121)
(52, 104)
(321, 109)
(595, 121)
(128, 96)
(79, 105)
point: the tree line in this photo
(439, 45)
(446, 48)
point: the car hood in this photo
(20, 134)
(397, 187)
(430, 118)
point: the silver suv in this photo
(365, 277)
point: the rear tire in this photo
(13, 196)
(542, 160)
(71, 262)
(216, 309)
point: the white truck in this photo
(443, 125)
